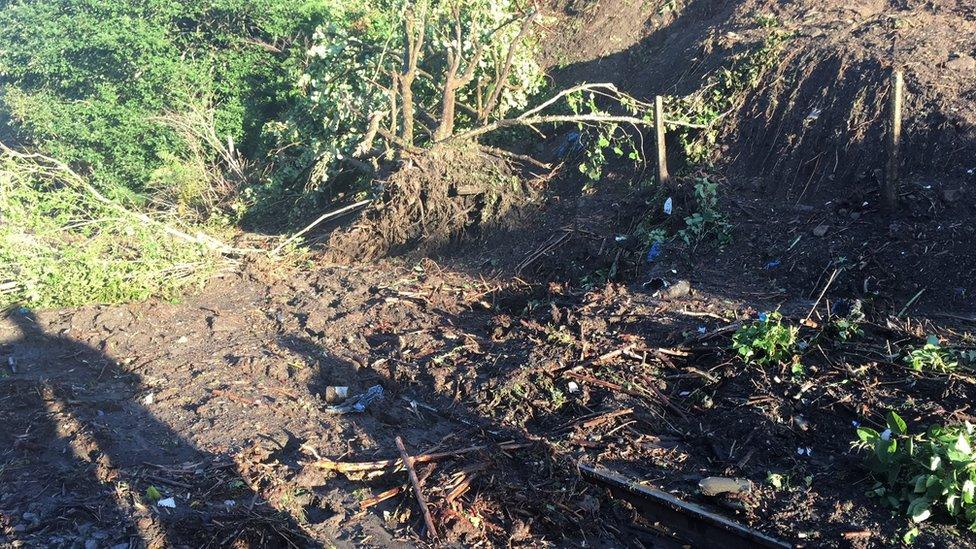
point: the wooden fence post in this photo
(894, 141)
(663, 177)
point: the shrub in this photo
(86, 81)
(59, 246)
(351, 89)
(925, 473)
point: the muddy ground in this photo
(521, 350)
(218, 403)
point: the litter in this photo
(668, 204)
(358, 403)
(654, 252)
(167, 502)
(677, 290)
(570, 145)
(334, 394)
(773, 264)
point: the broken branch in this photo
(408, 464)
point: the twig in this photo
(367, 503)
(408, 464)
(824, 291)
(603, 418)
(323, 217)
(911, 301)
(361, 466)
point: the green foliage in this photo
(723, 92)
(61, 247)
(153, 494)
(85, 80)
(604, 138)
(768, 341)
(347, 78)
(922, 474)
(933, 357)
(848, 327)
(707, 220)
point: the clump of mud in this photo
(431, 200)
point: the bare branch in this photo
(501, 76)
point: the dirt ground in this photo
(218, 403)
(514, 354)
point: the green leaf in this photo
(896, 423)
(153, 494)
(920, 509)
(910, 535)
(867, 434)
(968, 491)
(962, 445)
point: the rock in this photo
(677, 290)
(962, 63)
(713, 486)
(820, 230)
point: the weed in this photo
(848, 327)
(933, 357)
(707, 220)
(559, 335)
(925, 473)
(767, 342)
(723, 92)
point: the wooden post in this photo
(663, 178)
(894, 141)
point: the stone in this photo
(962, 63)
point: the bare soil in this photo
(541, 336)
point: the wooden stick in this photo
(663, 177)
(603, 418)
(826, 287)
(894, 141)
(323, 217)
(408, 464)
(692, 522)
(360, 466)
(367, 503)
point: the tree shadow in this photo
(111, 474)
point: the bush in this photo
(86, 80)
(59, 246)
(351, 74)
(926, 473)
